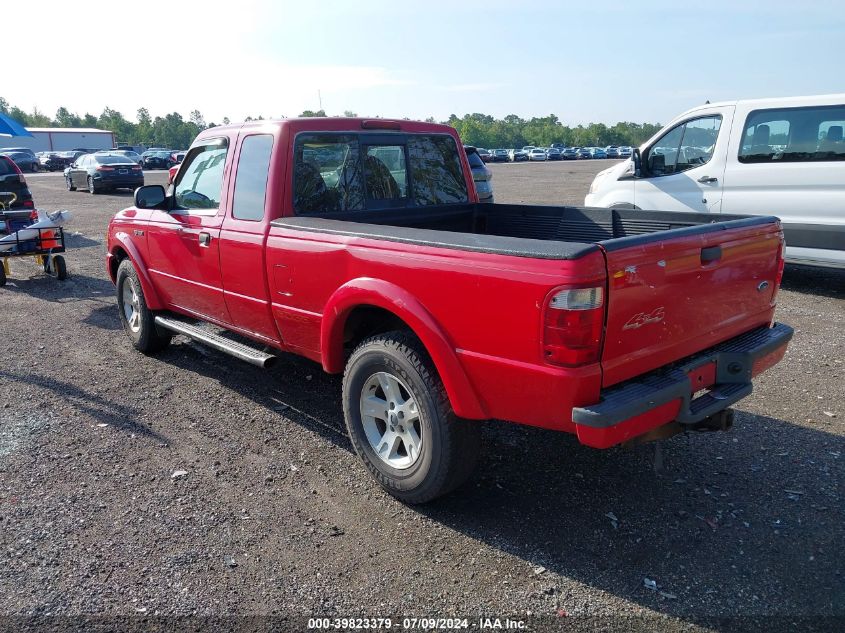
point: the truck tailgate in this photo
(673, 293)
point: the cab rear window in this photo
(349, 172)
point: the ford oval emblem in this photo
(762, 286)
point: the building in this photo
(61, 138)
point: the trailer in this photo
(58, 139)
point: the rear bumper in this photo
(639, 405)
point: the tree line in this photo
(482, 130)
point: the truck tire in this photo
(401, 423)
(137, 319)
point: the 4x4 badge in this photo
(644, 318)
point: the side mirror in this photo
(637, 159)
(150, 197)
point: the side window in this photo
(327, 173)
(201, 177)
(791, 135)
(699, 142)
(663, 155)
(251, 177)
(685, 146)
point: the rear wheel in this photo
(401, 423)
(137, 319)
(2, 275)
(92, 188)
(69, 184)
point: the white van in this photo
(782, 157)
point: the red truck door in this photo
(184, 242)
(244, 235)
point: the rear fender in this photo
(390, 297)
(125, 243)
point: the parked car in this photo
(138, 149)
(598, 152)
(553, 153)
(783, 156)
(527, 149)
(177, 157)
(570, 153)
(500, 155)
(485, 154)
(625, 151)
(103, 172)
(482, 177)
(18, 150)
(517, 155)
(26, 162)
(157, 160)
(393, 286)
(584, 152)
(132, 155)
(13, 181)
(558, 146)
(538, 153)
(51, 161)
(612, 151)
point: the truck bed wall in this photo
(574, 229)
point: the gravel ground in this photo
(274, 515)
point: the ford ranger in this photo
(360, 244)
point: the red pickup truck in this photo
(361, 244)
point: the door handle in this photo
(707, 179)
(711, 254)
(205, 239)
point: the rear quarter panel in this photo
(486, 307)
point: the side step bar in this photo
(220, 343)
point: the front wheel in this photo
(137, 319)
(69, 184)
(401, 423)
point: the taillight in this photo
(105, 168)
(573, 323)
(29, 204)
(136, 168)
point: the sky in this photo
(588, 61)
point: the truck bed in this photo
(545, 232)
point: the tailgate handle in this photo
(711, 254)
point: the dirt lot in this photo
(276, 516)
